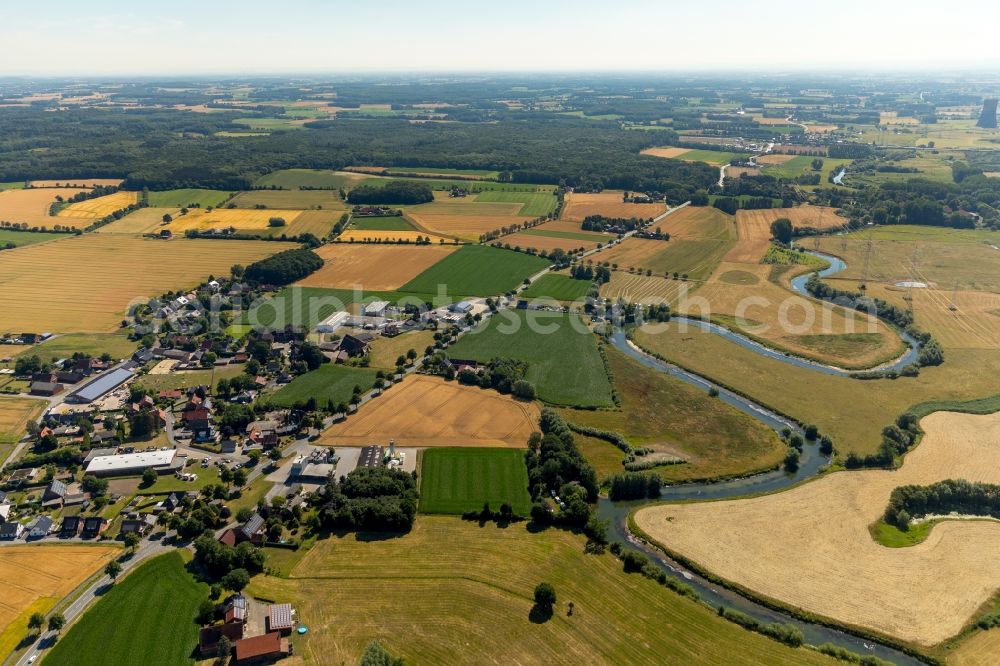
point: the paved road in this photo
(147, 550)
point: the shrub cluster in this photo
(284, 268)
(943, 497)
(393, 192)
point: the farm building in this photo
(252, 531)
(101, 386)
(209, 637)
(97, 453)
(333, 322)
(357, 344)
(280, 618)
(46, 389)
(163, 462)
(462, 307)
(260, 649)
(375, 309)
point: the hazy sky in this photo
(250, 36)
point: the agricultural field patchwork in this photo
(557, 287)
(32, 206)
(188, 197)
(694, 258)
(427, 411)
(820, 531)
(95, 209)
(476, 270)
(92, 279)
(292, 179)
(455, 480)
(290, 199)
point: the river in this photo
(810, 464)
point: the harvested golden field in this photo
(943, 264)
(95, 209)
(772, 158)
(290, 199)
(15, 414)
(373, 267)
(142, 221)
(319, 223)
(699, 222)
(981, 649)
(463, 226)
(688, 257)
(86, 283)
(77, 182)
(758, 222)
(810, 547)
(670, 152)
(362, 236)
(973, 324)
(201, 219)
(752, 299)
(34, 578)
(548, 243)
(452, 592)
(385, 350)
(643, 289)
(571, 226)
(32, 206)
(429, 411)
(609, 204)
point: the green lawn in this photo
(21, 238)
(713, 157)
(558, 287)
(17, 185)
(456, 480)
(536, 204)
(388, 223)
(146, 619)
(328, 382)
(187, 197)
(563, 360)
(95, 344)
(476, 270)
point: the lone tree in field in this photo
(276, 222)
(545, 596)
(167, 218)
(781, 230)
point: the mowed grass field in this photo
(385, 350)
(187, 197)
(557, 287)
(851, 412)
(373, 267)
(700, 222)
(476, 270)
(292, 179)
(643, 289)
(328, 382)
(146, 619)
(290, 199)
(564, 363)
(695, 258)
(945, 260)
(427, 411)
(388, 223)
(452, 592)
(534, 204)
(36, 577)
(671, 417)
(456, 480)
(922, 594)
(21, 238)
(86, 283)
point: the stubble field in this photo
(32, 207)
(810, 547)
(373, 267)
(429, 411)
(95, 209)
(609, 204)
(88, 281)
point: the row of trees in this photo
(952, 495)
